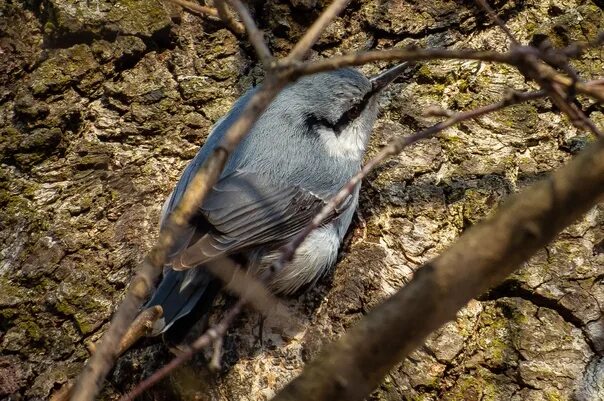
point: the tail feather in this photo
(183, 293)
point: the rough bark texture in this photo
(102, 103)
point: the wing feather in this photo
(245, 210)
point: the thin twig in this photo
(92, 376)
(211, 335)
(557, 58)
(254, 34)
(593, 89)
(563, 97)
(352, 367)
(575, 49)
(415, 54)
(216, 355)
(597, 82)
(495, 18)
(227, 17)
(395, 146)
(216, 13)
(197, 8)
(586, 122)
(141, 326)
(544, 75)
(241, 283)
(314, 32)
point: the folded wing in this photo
(244, 210)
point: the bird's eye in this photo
(354, 111)
(349, 115)
(313, 120)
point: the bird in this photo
(307, 144)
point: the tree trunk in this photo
(104, 102)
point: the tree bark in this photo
(103, 103)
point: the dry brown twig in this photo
(395, 146)
(314, 32)
(197, 8)
(495, 18)
(218, 13)
(354, 365)
(532, 65)
(215, 364)
(288, 70)
(228, 18)
(140, 327)
(91, 379)
(211, 335)
(254, 34)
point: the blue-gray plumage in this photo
(301, 151)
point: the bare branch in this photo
(141, 326)
(350, 368)
(515, 57)
(216, 355)
(228, 18)
(356, 59)
(241, 283)
(495, 18)
(577, 116)
(395, 146)
(531, 67)
(93, 374)
(314, 32)
(197, 8)
(593, 89)
(254, 34)
(211, 335)
(220, 12)
(91, 378)
(597, 82)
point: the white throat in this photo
(349, 144)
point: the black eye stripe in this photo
(314, 122)
(352, 113)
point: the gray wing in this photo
(243, 210)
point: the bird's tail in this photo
(187, 293)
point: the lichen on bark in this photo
(103, 103)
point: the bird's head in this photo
(338, 106)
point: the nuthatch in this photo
(300, 152)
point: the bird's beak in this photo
(382, 80)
